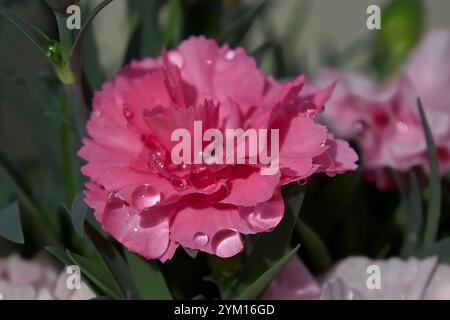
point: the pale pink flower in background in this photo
(384, 119)
(37, 279)
(151, 205)
(410, 279)
(294, 282)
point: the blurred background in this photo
(286, 37)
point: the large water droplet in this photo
(144, 197)
(230, 55)
(226, 243)
(178, 183)
(201, 239)
(202, 178)
(176, 58)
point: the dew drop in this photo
(135, 229)
(97, 113)
(226, 243)
(209, 61)
(219, 195)
(144, 197)
(128, 114)
(358, 127)
(155, 161)
(178, 183)
(176, 58)
(323, 143)
(401, 127)
(230, 55)
(115, 202)
(201, 239)
(202, 178)
(310, 113)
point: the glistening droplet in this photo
(201, 239)
(176, 58)
(178, 183)
(230, 55)
(144, 196)
(202, 178)
(226, 243)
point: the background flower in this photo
(36, 279)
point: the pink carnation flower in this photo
(151, 205)
(37, 279)
(384, 119)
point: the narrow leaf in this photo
(441, 249)
(434, 206)
(94, 273)
(148, 278)
(112, 258)
(78, 214)
(255, 289)
(34, 34)
(60, 254)
(10, 224)
(270, 247)
(78, 43)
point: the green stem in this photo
(69, 164)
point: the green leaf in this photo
(234, 34)
(441, 249)
(78, 214)
(78, 43)
(172, 29)
(270, 247)
(60, 254)
(402, 25)
(39, 38)
(148, 278)
(99, 276)
(10, 225)
(434, 206)
(113, 259)
(255, 289)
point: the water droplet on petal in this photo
(202, 178)
(144, 197)
(176, 58)
(230, 55)
(97, 113)
(219, 195)
(401, 127)
(227, 243)
(358, 127)
(128, 114)
(135, 229)
(115, 202)
(323, 143)
(209, 61)
(157, 163)
(178, 183)
(310, 113)
(201, 239)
